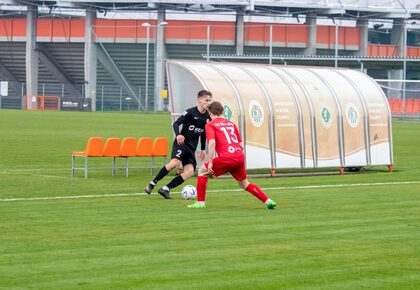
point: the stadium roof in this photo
(409, 9)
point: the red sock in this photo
(257, 192)
(201, 188)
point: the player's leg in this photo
(174, 162)
(240, 175)
(189, 164)
(201, 186)
(176, 156)
(179, 179)
(219, 168)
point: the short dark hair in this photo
(215, 108)
(203, 93)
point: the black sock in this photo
(175, 182)
(162, 173)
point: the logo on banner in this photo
(352, 115)
(227, 112)
(326, 117)
(256, 113)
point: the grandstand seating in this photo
(397, 105)
(114, 148)
(409, 105)
(416, 105)
(412, 106)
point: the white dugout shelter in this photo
(293, 116)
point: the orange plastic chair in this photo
(94, 148)
(112, 149)
(160, 149)
(128, 149)
(145, 148)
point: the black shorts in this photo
(183, 153)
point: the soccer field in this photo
(352, 231)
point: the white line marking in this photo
(346, 185)
(54, 176)
(72, 197)
(218, 190)
(6, 171)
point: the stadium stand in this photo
(365, 35)
(412, 106)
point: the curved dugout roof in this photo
(292, 116)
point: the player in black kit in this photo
(193, 122)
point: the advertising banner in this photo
(76, 104)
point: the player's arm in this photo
(180, 121)
(210, 136)
(212, 153)
(203, 146)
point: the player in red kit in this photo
(224, 139)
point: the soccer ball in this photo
(189, 192)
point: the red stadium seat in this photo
(409, 105)
(397, 106)
(416, 105)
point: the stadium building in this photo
(110, 55)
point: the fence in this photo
(403, 97)
(108, 98)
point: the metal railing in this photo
(108, 98)
(403, 97)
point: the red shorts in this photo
(222, 165)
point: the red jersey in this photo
(228, 139)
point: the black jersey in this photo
(193, 123)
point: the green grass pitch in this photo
(362, 236)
